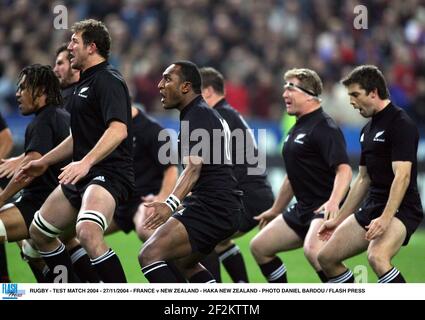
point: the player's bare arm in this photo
(110, 140)
(14, 186)
(355, 196)
(8, 167)
(378, 226)
(6, 142)
(341, 184)
(283, 198)
(36, 168)
(184, 185)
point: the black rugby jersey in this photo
(313, 149)
(148, 170)
(101, 96)
(216, 172)
(241, 163)
(390, 136)
(47, 129)
(66, 94)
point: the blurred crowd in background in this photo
(252, 42)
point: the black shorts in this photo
(256, 199)
(28, 205)
(410, 215)
(114, 184)
(125, 213)
(299, 220)
(210, 218)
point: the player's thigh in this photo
(97, 198)
(57, 210)
(312, 243)
(390, 242)
(347, 241)
(170, 241)
(275, 237)
(14, 223)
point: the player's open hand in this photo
(328, 209)
(73, 172)
(265, 217)
(159, 215)
(32, 169)
(8, 167)
(377, 227)
(327, 229)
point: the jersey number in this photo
(227, 135)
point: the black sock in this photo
(232, 260)
(60, 258)
(82, 265)
(4, 273)
(109, 268)
(179, 276)
(159, 272)
(345, 277)
(392, 276)
(47, 274)
(322, 276)
(274, 271)
(212, 264)
(203, 276)
(38, 274)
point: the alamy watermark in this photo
(61, 17)
(361, 19)
(220, 147)
(361, 273)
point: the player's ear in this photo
(92, 48)
(186, 87)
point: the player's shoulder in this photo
(227, 111)
(326, 122)
(55, 115)
(401, 116)
(198, 109)
(109, 76)
(63, 113)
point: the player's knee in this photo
(311, 251)
(376, 259)
(42, 231)
(324, 257)
(255, 247)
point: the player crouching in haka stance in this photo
(391, 209)
(318, 175)
(211, 212)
